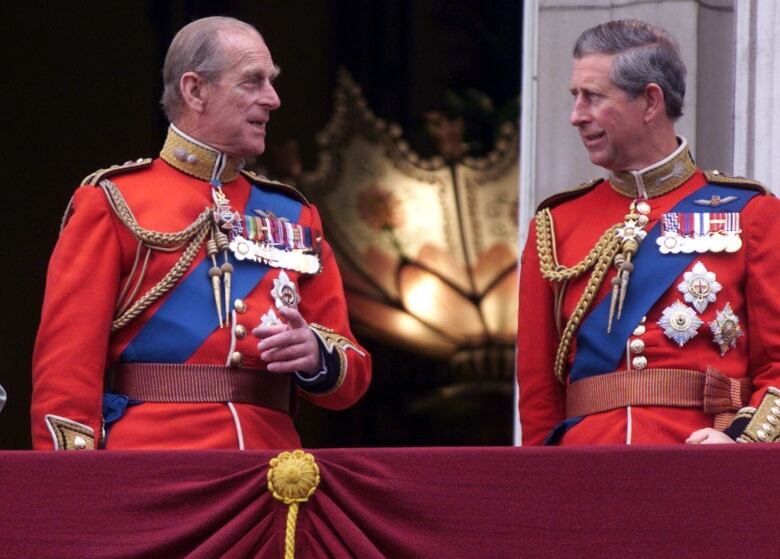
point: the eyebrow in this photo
(275, 72)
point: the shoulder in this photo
(277, 186)
(718, 177)
(565, 196)
(93, 179)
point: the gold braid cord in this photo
(599, 258)
(293, 477)
(195, 233)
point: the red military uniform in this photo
(101, 267)
(719, 313)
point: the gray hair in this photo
(197, 47)
(645, 54)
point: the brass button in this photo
(239, 305)
(240, 331)
(637, 346)
(639, 330)
(639, 362)
(79, 442)
(236, 358)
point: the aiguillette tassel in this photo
(227, 270)
(215, 273)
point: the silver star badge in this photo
(699, 287)
(270, 319)
(726, 329)
(679, 322)
(284, 292)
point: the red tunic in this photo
(92, 260)
(748, 279)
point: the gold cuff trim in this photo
(764, 427)
(69, 435)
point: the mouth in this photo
(592, 139)
(259, 124)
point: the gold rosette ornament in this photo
(293, 477)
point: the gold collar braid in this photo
(197, 159)
(657, 179)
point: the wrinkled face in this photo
(239, 102)
(610, 123)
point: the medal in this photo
(699, 287)
(270, 319)
(726, 329)
(679, 323)
(284, 292)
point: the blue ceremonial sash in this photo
(599, 352)
(187, 316)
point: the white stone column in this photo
(757, 92)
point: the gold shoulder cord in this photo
(599, 258)
(195, 233)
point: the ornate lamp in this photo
(427, 247)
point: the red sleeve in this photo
(762, 293)
(323, 304)
(541, 402)
(72, 340)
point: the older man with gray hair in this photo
(190, 302)
(649, 309)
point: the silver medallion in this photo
(726, 329)
(284, 292)
(679, 323)
(699, 287)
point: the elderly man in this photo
(649, 305)
(189, 302)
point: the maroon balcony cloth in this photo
(690, 502)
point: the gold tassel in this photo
(215, 273)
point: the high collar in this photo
(659, 178)
(195, 158)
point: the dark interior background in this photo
(80, 92)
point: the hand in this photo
(291, 347)
(709, 436)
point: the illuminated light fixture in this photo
(427, 247)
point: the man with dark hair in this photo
(190, 302)
(649, 309)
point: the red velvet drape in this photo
(418, 502)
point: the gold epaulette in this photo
(94, 178)
(275, 185)
(764, 425)
(567, 195)
(717, 177)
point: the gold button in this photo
(643, 208)
(236, 358)
(639, 330)
(239, 305)
(639, 362)
(240, 331)
(637, 346)
(79, 442)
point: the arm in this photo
(541, 400)
(72, 340)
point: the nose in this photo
(579, 114)
(270, 98)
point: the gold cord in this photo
(599, 258)
(195, 233)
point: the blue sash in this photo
(599, 352)
(187, 316)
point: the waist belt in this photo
(714, 393)
(173, 382)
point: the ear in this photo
(194, 91)
(656, 105)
